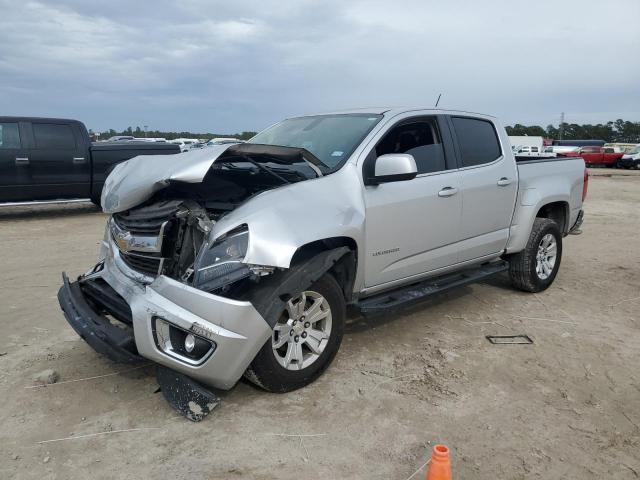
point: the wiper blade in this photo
(266, 169)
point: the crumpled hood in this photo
(136, 180)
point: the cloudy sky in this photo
(230, 66)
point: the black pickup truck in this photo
(54, 159)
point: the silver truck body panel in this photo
(403, 231)
(439, 239)
(542, 183)
(236, 327)
(282, 220)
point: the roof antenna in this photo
(438, 101)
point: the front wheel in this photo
(305, 339)
(535, 268)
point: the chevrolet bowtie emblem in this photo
(123, 242)
(127, 242)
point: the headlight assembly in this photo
(221, 263)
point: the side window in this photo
(9, 135)
(534, 149)
(53, 135)
(477, 139)
(419, 138)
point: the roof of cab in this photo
(392, 111)
(38, 119)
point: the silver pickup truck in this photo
(241, 259)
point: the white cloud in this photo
(229, 66)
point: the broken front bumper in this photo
(234, 328)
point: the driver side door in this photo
(412, 227)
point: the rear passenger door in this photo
(14, 173)
(489, 180)
(57, 162)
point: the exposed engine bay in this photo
(168, 234)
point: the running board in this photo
(44, 202)
(404, 296)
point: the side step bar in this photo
(44, 202)
(407, 295)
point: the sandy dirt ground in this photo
(567, 406)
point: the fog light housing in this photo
(190, 343)
(181, 344)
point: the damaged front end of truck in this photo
(176, 280)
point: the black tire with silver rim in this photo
(303, 331)
(535, 268)
(546, 257)
(305, 339)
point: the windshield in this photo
(331, 138)
(636, 149)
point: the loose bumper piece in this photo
(112, 341)
(187, 396)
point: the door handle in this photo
(22, 160)
(447, 192)
(504, 181)
(78, 160)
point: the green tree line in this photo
(622, 131)
(140, 133)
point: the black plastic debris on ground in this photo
(187, 396)
(510, 339)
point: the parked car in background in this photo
(184, 143)
(53, 159)
(223, 141)
(242, 258)
(149, 139)
(527, 144)
(598, 156)
(564, 150)
(120, 138)
(631, 159)
(621, 147)
(579, 143)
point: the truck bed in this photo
(545, 180)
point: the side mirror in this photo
(394, 167)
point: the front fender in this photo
(283, 220)
(270, 296)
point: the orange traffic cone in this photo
(440, 465)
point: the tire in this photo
(525, 271)
(267, 370)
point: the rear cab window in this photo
(477, 140)
(9, 136)
(53, 136)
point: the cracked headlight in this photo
(221, 263)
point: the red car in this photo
(605, 156)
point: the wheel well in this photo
(344, 270)
(556, 211)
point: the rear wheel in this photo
(535, 268)
(305, 339)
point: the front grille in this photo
(147, 220)
(148, 264)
